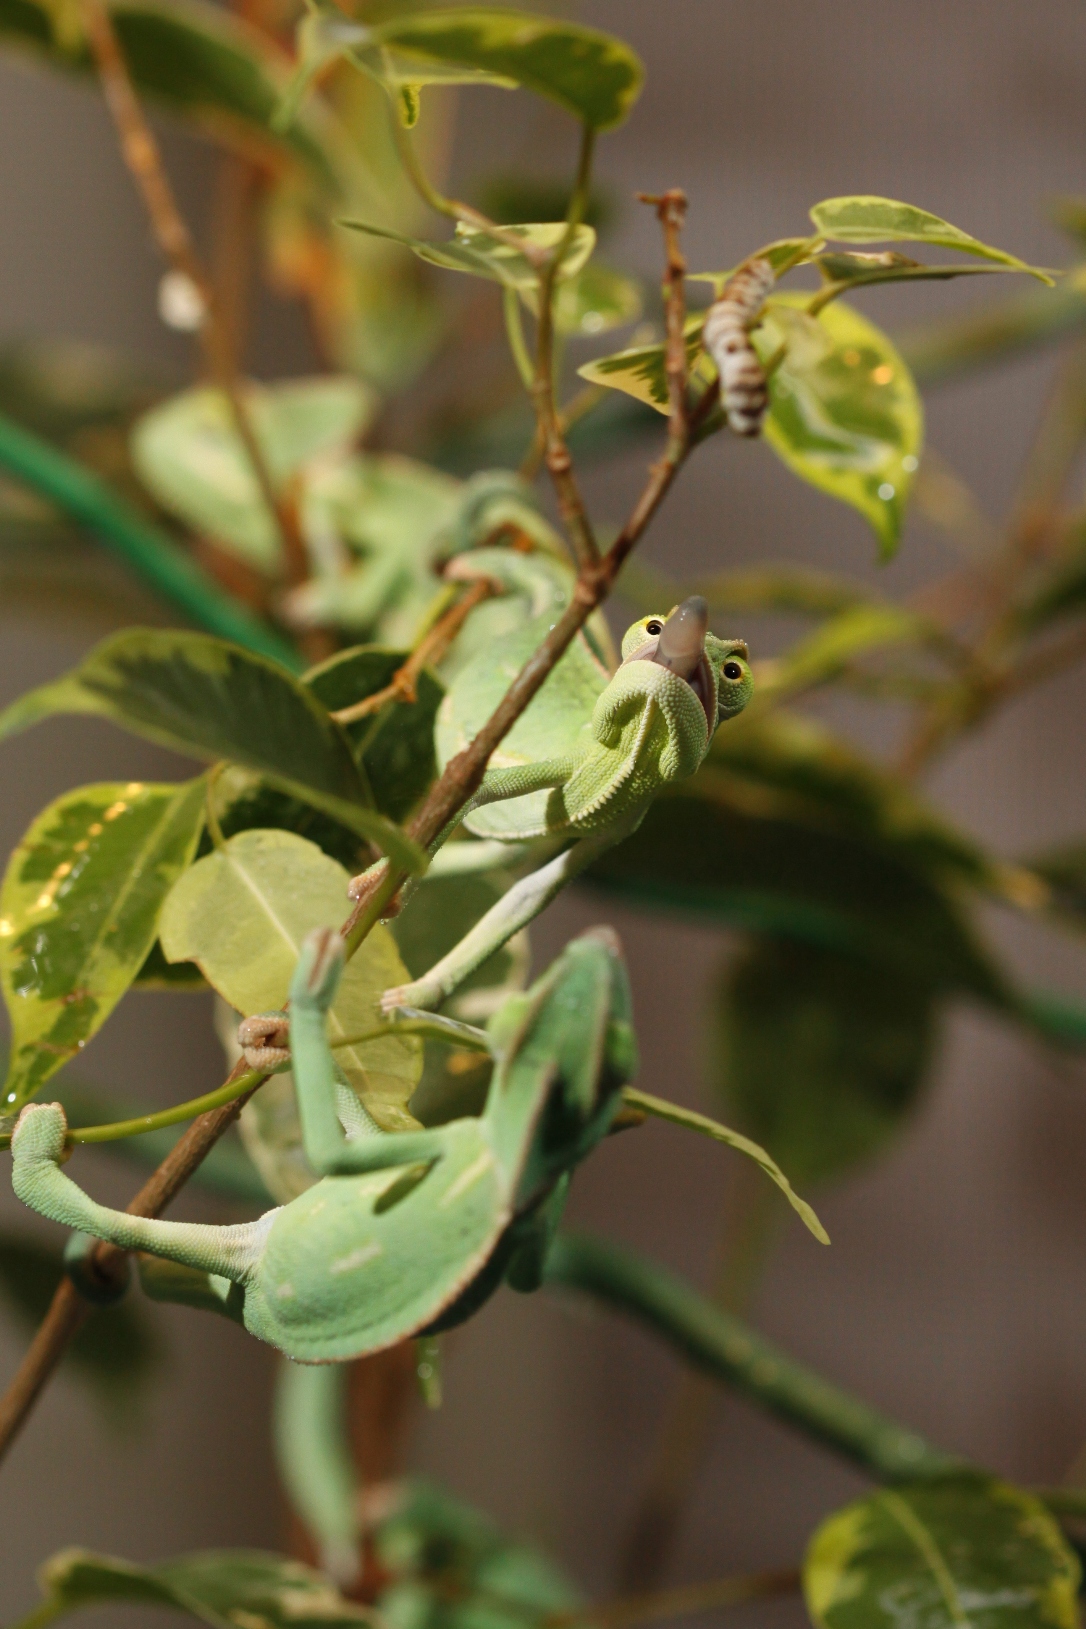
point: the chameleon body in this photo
(586, 758)
(406, 1231)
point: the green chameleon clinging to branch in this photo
(588, 755)
(410, 1232)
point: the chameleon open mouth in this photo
(680, 647)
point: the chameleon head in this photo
(717, 670)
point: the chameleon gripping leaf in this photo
(586, 758)
(406, 1231)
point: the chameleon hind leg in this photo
(37, 1148)
(513, 911)
(328, 1149)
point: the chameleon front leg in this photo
(37, 1148)
(513, 911)
(498, 785)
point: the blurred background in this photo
(952, 1293)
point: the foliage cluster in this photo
(377, 608)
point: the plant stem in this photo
(731, 1352)
(556, 454)
(241, 1087)
(671, 213)
(143, 158)
(675, 1603)
(68, 1311)
(749, 1225)
(431, 648)
(161, 563)
(514, 333)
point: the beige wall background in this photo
(952, 1295)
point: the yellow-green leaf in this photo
(476, 252)
(188, 453)
(955, 1552)
(639, 371)
(241, 914)
(228, 1589)
(844, 412)
(677, 1115)
(594, 75)
(79, 909)
(865, 219)
(211, 699)
(202, 61)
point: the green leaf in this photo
(199, 60)
(394, 746)
(1064, 871)
(864, 219)
(824, 655)
(476, 252)
(188, 453)
(79, 909)
(730, 853)
(800, 590)
(58, 387)
(242, 912)
(596, 300)
(819, 1055)
(677, 1115)
(594, 75)
(229, 1589)
(1058, 590)
(210, 699)
(844, 413)
(788, 765)
(449, 1567)
(390, 512)
(115, 1351)
(842, 269)
(782, 255)
(639, 371)
(324, 37)
(955, 1552)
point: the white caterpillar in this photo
(726, 337)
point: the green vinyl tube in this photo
(150, 552)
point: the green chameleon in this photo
(583, 763)
(406, 1231)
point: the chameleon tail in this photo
(315, 1465)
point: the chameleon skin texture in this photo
(592, 748)
(408, 1231)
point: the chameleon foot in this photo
(264, 1040)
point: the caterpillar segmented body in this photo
(726, 337)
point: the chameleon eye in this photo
(654, 627)
(732, 670)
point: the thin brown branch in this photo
(671, 213)
(68, 1311)
(430, 649)
(550, 436)
(142, 155)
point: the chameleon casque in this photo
(410, 1232)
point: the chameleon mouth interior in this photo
(680, 647)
